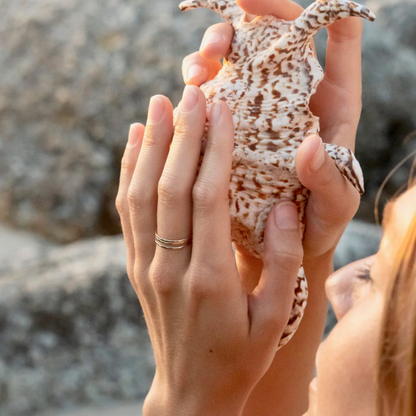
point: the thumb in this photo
(333, 200)
(271, 302)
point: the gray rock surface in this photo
(18, 243)
(113, 409)
(72, 330)
(359, 240)
(75, 74)
(400, 18)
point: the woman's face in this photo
(347, 360)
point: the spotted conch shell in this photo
(267, 80)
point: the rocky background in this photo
(74, 75)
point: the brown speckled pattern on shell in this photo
(267, 81)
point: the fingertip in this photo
(282, 224)
(216, 42)
(196, 70)
(309, 155)
(222, 123)
(309, 146)
(136, 133)
(249, 6)
(195, 74)
(345, 29)
(283, 9)
(285, 216)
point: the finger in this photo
(333, 200)
(197, 70)
(128, 164)
(174, 211)
(211, 215)
(142, 193)
(338, 99)
(343, 58)
(216, 42)
(271, 302)
(283, 9)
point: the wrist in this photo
(167, 402)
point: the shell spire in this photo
(227, 9)
(318, 15)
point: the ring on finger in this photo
(172, 244)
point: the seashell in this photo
(267, 80)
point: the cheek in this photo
(347, 362)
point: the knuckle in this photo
(200, 286)
(125, 163)
(275, 320)
(139, 278)
(181, 129)
(214, 145)
(149, 140)
(205, 194)
(170, 191)
(289, 262)
(207, 281)
(121, 204)
(326, 180)
(163, 282)
(134, 198)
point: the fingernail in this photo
(156, 109)
(319, 158)
(213, 37)
(133, 135)
(189, 99)
(216, 112)
(193, 71)
(286, 216)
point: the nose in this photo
(344, 288)
(339, 289)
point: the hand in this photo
(337, 103)
(212, 341)
(332, 203)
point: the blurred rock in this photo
(359, 240)
(109, 410)
(71, 330)
(74, 76)
(20, 243)
(400, 17)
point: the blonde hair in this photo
(397, 359)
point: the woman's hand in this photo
(212, 340)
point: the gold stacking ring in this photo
(172, 244)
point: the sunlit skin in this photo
(347, 360)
